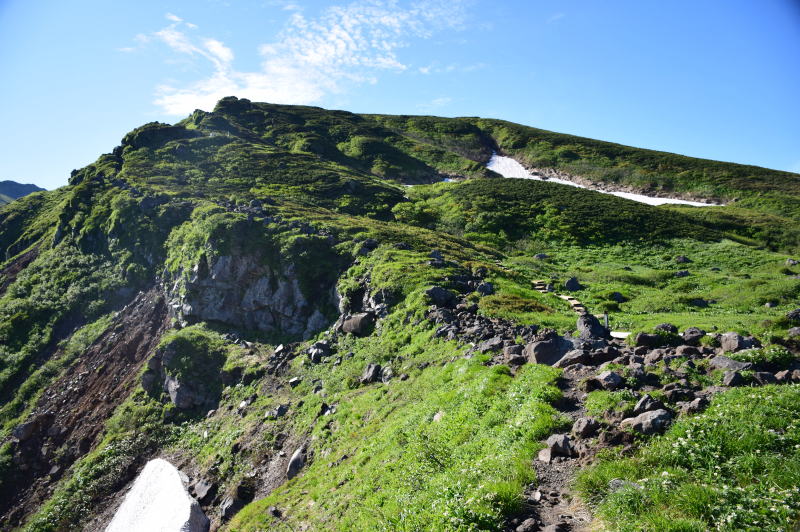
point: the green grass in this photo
(405, 471)
(734, 467)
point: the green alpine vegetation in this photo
(333, 321)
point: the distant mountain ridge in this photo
(11, 190)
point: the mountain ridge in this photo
(253, 291)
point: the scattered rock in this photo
(764, 377)
(732, 378)
(585, 427)
(387, 374)
(294, 381)
(726, 363)
(647, 340)
(360, 324)
(204, 491)
(732, 342)
(589, 328)
(687, 351)
(794, 332)
(618, 297)
(557, 445)
(485, 288)
(541, 256)
(793, 315)
(692, 336)
(572, 285)
(667, 328)
(528, 525)
(607, 380)
(576, 356)
(695, 406)
(492, 344)
(277, 412)
(682, 273)
(371, 373)
(441, 297)
(646, 404)
(682, 259)
(649, 422)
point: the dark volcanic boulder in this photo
(589, 327)
(360, 324)
(572, 285)
(647, 340)
(732, 342)
(441, 297)
(692, 336)
(372, 373)
(667, 328)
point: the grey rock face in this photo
(793, 315)
(794, 332)
(648, 422)
(244, 292)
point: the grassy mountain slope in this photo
(216, 251)
(11, 190)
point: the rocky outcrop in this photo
(244, 291)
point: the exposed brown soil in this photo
(73, 410)
(10, 272)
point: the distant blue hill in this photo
(11, 190)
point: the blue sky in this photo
(709, 78)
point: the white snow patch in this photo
(508, 167)
(158, 502)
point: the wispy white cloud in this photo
(310, 57)
(173, 18)
(450, 68)
(555, 17)
(436, 103)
